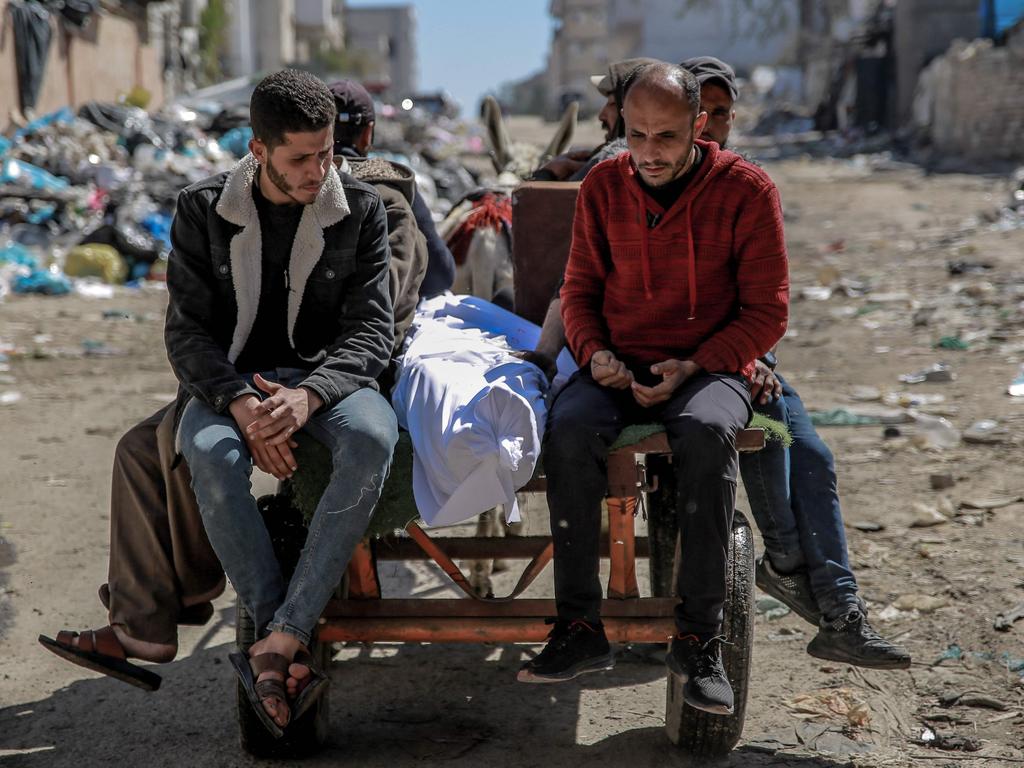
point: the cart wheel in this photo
(305, 735)
(701, 733)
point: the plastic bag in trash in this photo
(48, 282)
(27, 175)
(96, 260)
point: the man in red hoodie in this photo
(676, 282)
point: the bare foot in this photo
(286, 645)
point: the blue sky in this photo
(469, 47)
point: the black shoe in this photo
(699, 667)
(851, 639)
(574, 647)
(793, 589)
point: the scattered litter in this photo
(816, 293)
(927, 516)
(939, 372)
(842, 704)
(1004, 621)
(960, 267)
(865, 394)
(771, 608)
(912, 399)
(1016, 388)
(985, 432)
(952, 342)
(933, 432)
(865, 415)
(921, 603)
(996, 502)
(950, 742)
(941, 480)
(9, 398)
(868, 526)
(94, 348)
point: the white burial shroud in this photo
(475, 412)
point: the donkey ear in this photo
(496, 134)
(563, 134)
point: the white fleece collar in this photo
(236, 205)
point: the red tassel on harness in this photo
(493, 211)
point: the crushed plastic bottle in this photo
(934, 432)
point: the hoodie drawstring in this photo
(645, 259)
(692, 263)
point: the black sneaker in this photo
(851, 639)
(699, 667)
(793, 589)
(574, 648)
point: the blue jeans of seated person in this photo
(361, 432)
(795, 503)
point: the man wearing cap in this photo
(792, 492)
(574, 166)
(396, 184)
(353, 138)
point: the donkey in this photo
(478, 229)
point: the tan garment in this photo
(160, 558)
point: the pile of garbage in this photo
(87, 197)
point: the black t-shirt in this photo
(267, 347)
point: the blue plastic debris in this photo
(42, 281)
(19, 172)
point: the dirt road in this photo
(883, 228)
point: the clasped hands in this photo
(269, 425)
(609, 371)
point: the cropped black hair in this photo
(289, 101)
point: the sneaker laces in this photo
(563, 630)
(857, 621)
(706, 661)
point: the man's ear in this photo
(259, 150)
(699, 123)
(365, 139)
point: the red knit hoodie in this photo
(708, 283)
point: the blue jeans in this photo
(361, 432)
(795, 503)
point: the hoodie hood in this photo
(715, 162)
(377, 170)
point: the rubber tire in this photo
(701, 733)
(306, 735)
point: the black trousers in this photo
(702, 419)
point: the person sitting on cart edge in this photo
(279, 319)
(677, 281)
(792, 491)
(162, 570)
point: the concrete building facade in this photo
(384, 37)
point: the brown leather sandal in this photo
(249, 669)
(101, 651)
(310, 688)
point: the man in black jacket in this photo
(280, 320)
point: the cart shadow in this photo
(391, 704)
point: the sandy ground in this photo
(890, 226)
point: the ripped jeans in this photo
(361, 432)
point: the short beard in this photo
(279, 181)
